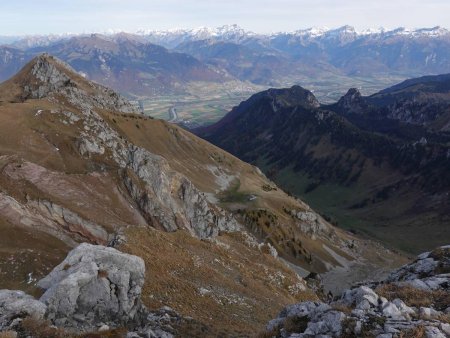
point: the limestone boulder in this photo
(94, 285)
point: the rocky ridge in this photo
(97, 288)
(165, 198)
(377, 308)
(53, 76)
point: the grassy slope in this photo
(223, 281)
(192, 156)
(408, 233)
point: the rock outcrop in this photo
(95, 288)
(312, 224)
(166, 199)
(94, 284)
(352, 102)
(364, 311)
(163, 198)
(52, 77)
(16, 305)
(430, 271)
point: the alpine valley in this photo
(376, 165)
(293, 213)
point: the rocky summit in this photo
(165, 198)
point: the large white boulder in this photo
(93, 285)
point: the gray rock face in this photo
(377, 315)
(171, 198)
(427, 266)
(312, 224)
(158, 324)
(166, 199)
(94, 284)
(53, 77)
(362, 298)
(50, 79)
(311, 318)
(369, 314)
(15, 305)
(430, 271)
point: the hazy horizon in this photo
(26, 17)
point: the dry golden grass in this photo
(417, 332)
(8, 334)
(23, 251)
(268, 334)
(44, 329)
(439, 299)
(229, 286)
(342, 308)
(445, 318)
(102, 274)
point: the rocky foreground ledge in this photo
(413, 301)
(95, 289)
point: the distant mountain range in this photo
(125, 62)
(325, 60)
(232, 33)
(377, 165)
(311, 52)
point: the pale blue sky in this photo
(58, 16)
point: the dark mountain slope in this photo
(352, 160)
(432, 82)
(422, 105)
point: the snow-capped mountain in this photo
(236, 34)
(275, 59)
(174, 37)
